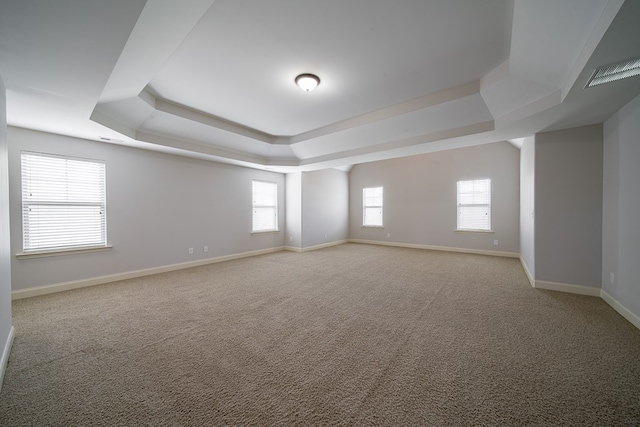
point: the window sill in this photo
(60, 252)
(373, 226)
(265, 232)
(475, 231)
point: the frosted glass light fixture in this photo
(307, 82)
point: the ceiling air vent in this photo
(614, 72)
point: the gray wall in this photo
(158, 206)
(5, 254)
(568, 189)
(325, 207)
(293, 184)
(527, 205)
(621, 207)
(420, 197)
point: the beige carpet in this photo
(349, 335)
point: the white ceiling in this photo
(214, 79)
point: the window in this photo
(474, 205)
(372, 207)
(265, 206)
(63, 203)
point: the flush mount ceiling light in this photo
(614, 72)
(307, 82)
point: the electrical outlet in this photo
(611, 278)
(325, 235)
(190, 251)
(205, 249)
(291, 238)
(495, 242)
(388, 235)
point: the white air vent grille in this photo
(614, 72)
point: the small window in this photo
(474, 205)
(63, 203)
(265, 206)
(372, 207)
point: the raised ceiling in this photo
(215, 79)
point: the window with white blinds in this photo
(265, 206)
(372, 207)
(63, 203)
(474, 205)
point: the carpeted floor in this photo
(348, 335)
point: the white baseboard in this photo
(528, 273)
(621, 309)
(5, 355)
(324, 245)
(316, 247)
(567, 287)
(83, 283)
(76, 284)
(437, 248)
(540, 284)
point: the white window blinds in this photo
(474, 205)
(265, 206)
(372, 207)
(63, 203)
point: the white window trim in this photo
(69, 249)
(365, 206)
(489, 205)
(60, 252)
(274, 206)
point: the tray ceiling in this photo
(215, 79)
